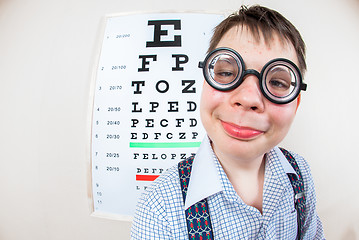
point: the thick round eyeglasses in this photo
(280, 80)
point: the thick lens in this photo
(223, 69)
(280, 81)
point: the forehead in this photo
(254, 48)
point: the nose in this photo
(248, 95)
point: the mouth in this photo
(240, 132)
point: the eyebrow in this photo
(228, 59)
(280, 69)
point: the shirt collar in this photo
(205, 180)
(284, 162)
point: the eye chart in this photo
(145, 115)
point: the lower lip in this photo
(244, 133)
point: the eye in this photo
(223, 73)
(279, 81)
(225, 70)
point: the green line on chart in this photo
(164, 144)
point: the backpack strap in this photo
(198, 220)
(298, 187)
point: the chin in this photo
(236, 148)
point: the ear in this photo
(298, 102)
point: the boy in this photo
(249, 99)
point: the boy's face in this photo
(242, 123)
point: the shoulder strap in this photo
(198, 220)
(298, 187)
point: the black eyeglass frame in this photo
(261, 76)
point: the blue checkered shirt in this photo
(160, 213)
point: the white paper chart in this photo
(146, 103)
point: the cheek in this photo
(211, 98)
(211, 102)
(282, 116)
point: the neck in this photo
(246, 176)
(238, 164)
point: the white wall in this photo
(47, 51)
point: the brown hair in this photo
(262, 21)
